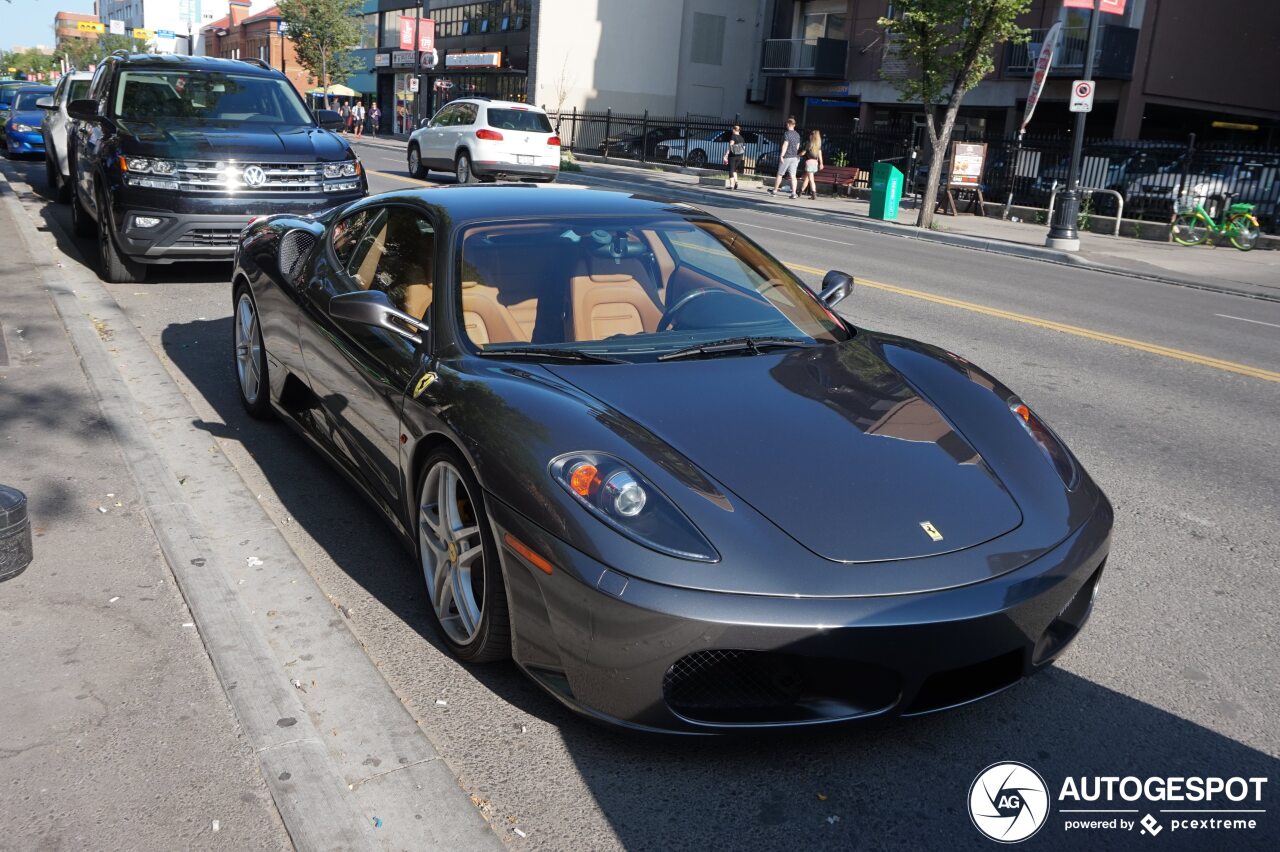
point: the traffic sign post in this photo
(1082, 96)
(1063, 233)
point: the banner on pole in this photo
(1042, 73)
(1111, 7)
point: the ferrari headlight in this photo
(1047, 441)
(620, 497)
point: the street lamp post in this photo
(1062, 230)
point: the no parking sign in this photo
(1082, 96)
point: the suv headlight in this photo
(147, 165)
(620, 497)
(344, 169)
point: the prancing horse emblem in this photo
(453, 552)
(423, 384)
(931, 530)
(254, 176)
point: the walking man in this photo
(788, 158)
(357, 117)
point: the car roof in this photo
(490, 102)
(465, 204)
(38, 88)
(180, 62)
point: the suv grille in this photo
(225, 177)
(209, 237)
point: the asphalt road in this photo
(1177, 674)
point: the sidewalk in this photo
(114, 730)
(1255, 273)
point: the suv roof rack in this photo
(261, 63)
(122, 51)
(477, 97)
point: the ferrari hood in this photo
(830, 443)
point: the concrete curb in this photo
(203, 521)
(831, 217)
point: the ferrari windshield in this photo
(209, 96)
(633, 290)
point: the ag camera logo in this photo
(1008, 802)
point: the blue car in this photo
(22, 134)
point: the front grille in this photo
(215, 176)
(730, 686)
(206, 237)
(968, 683)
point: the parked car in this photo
(708, 147)
(630, 449)
(1124, 163)
(633, 140)
(1250, 178)
(8, 88)
(479, 139)
(171, 156)
(54, 128)
(21, 129)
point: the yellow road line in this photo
(402, 178)
(1129, 343)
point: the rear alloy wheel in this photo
(462, 169)
(57, 189)
(697, 158)
(115, 267)
(460, 561)
(416, 169)
(250, 358)
(81, 224)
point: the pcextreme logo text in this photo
(1010, 802)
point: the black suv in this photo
(171, 156)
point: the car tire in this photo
(114, 266)
(56, 190)
(249, 356)
(81, 224)
(462, 169)
(475, 631)
(697, 158)
(416, 169)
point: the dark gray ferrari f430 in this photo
(633, 451)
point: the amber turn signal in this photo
(582, 478)
(527, 552)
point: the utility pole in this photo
(1062, 230)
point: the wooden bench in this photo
(840, 178)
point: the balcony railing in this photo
(805, 57)
(1113, 55)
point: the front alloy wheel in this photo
(250, 361)
(462, 169)
(460, 563)
(416, 168)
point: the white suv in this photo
(481, 139)
(54, 127)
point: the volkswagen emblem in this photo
(254, 176)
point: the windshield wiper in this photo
(547, 352)
(754, 345)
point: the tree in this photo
(27, 63)
(80, 53)
(948, 46)
(323, 33)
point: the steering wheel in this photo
(669, 315)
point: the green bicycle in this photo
(1194, 226)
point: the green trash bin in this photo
(886, 191)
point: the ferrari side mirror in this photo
(373, 308)
(836, 287)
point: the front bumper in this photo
(24, 143)
(496, 168)
(648, 656)
(199, 228)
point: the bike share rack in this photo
(1089, 190)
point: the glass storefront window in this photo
(369, 31)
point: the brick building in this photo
(65, 26)
(240, 35)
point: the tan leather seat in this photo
(417, 299)
(606, 303)
(369, 263)
(485, 319)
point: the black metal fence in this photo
(1154, 178)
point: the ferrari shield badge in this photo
(931, 530)
(423, 383)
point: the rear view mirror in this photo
(373, 308)
(84, 109)
(836, 287)
(47, 103)
(329, 119)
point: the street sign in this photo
(163, 33)
(413, 84)
(117, 27)
(1111, 7)
(1082, 96)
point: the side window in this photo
(445, 117)
(406, 261)
(466, 114)
(347, 234)
(98, 86)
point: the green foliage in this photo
(948, 46)
(840, 160)
(80, 53)
(323, 33)
(26, 62)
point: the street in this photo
(1168, 394)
